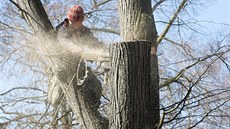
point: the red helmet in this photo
(76, 13)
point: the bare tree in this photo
(192, 79)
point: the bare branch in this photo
(21, 88)
(106, 30)
(180, 74)
(182, 102)
(96, 6)
(161, 37)
(207, 114)
(157, 4)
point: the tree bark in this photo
(136, 16)
(35, 15)
(137, 22)
(133, 97)
(134, 70)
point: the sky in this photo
(218, 12)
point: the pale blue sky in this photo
(216, 16)
(218, 11)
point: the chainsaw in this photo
(102, 66)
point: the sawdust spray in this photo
(47, 48)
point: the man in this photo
(79, 42)
(72, 30)
(73, 24)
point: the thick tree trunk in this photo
(134, 71)
(34, 14)
(136, 20)
(133, 95)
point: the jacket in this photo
(81, 38)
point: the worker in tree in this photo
(73, 30)
(79, 42)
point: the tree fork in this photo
(135, 102)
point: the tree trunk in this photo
(136, 20)
(134, 71)
(132, 104)
(35, 15)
